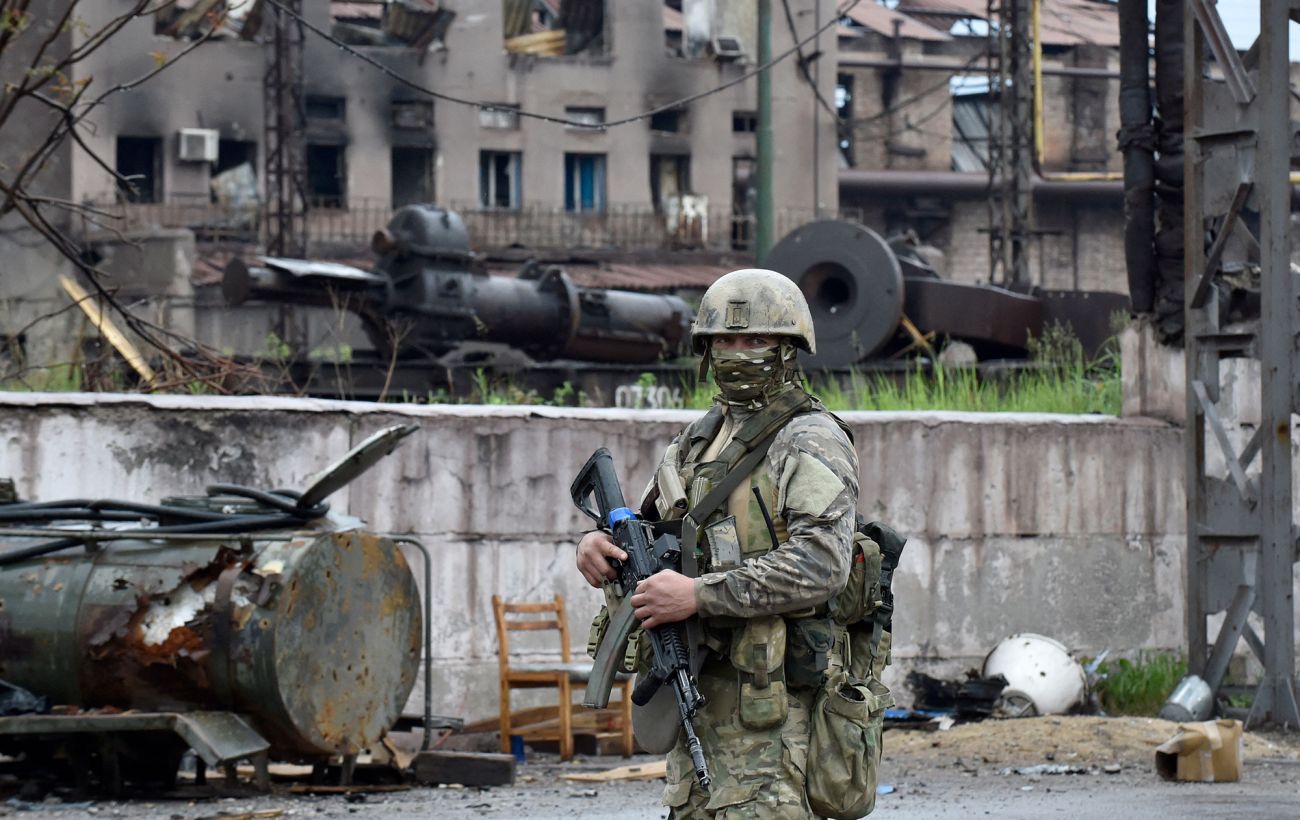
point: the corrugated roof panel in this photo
(1063, 23)
(881, 20)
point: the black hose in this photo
(286, 503)
(274, 499)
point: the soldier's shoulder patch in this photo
(813, 486)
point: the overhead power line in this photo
(483, 105)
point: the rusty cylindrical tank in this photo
(315, 636)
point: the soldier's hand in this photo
(594, 551)
(664, 598)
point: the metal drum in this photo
(314, 636)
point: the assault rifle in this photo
(671, 661)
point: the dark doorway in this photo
(139, 159)
(326, 176)
(412, 176)
(233, 153)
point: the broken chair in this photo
(562, 674)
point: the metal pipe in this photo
(847, 60)
(764, 223)
(873, 184)
(1137, 141)
(427, 741)
(1035, 18)
(816, 105)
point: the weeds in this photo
(1139, 687)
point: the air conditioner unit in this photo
(727, 47)
(199, 144)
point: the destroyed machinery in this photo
(428, 294)
(243, 624)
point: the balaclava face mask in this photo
(753, 377)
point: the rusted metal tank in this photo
(313, 635)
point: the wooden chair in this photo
(562, 674)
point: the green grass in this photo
(1140, 686)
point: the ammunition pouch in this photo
(809, 645)
(861, 596)
(758, 654)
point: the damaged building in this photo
(918, 107)
(192, 140)
(896, 136)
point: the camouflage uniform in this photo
(808, 482)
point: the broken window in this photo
(419, 24)
(844, 110)
(190, 19)
(139, 159)
(744, 122)
(674, 26)
(668, 122)
(326, 108)
(499, 179)
(413, 115)
(972, 109)
(670, 177)
(743, 196)
(584, 182)
(234, 174)
(412, 175)
(327, 175)
(585, 116)
(553, 28)
(13, 354)
(504, 116)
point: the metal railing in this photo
(620, 228)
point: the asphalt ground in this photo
(1269, 789)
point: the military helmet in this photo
(754, 301)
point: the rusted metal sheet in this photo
(974, 312)
(316, 637)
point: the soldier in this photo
(769, 557)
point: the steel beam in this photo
(1237, 159)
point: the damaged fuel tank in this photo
(428, 293)
(260, 604)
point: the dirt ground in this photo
(967, 771)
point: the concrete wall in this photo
(1066, 525)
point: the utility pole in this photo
(764, 226)
(284, 124)
(1011, 140)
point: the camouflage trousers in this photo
(757, 774)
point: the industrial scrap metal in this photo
(860, 287)
(242, 624)
(428, 293)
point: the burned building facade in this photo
(380, 130)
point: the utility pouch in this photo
(847, 720)
(861, 595)
(809, 644)
(724, 544)
(758, 654)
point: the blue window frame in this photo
(584, 182)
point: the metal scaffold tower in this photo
(1241, 539)
(285, 121)
(1011, 141)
